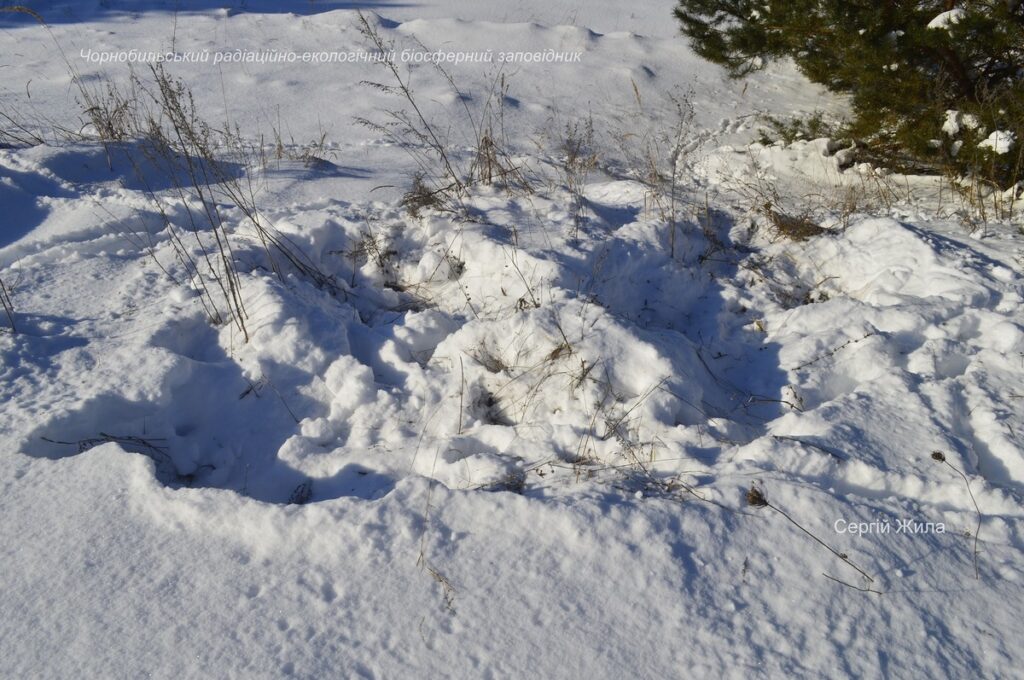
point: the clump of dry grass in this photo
(376, 248)
(16, 132)
(8, 305)
(493, 163)
(811, 204)
(155, 121)
(578, 158)
(438, 183)
(793, 227)
(657, 156)
(313, 153)
(443, 177)
(786, 217)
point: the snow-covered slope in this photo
(516, 443)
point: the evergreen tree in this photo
(931, 81)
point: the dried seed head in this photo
(939, 456)
(756, 498)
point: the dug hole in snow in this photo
(515, 441)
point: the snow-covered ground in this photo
(515, 442)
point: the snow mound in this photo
(1000, 141)
(514, 440)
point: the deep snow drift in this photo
(516, 442)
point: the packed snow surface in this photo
(519, 441)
